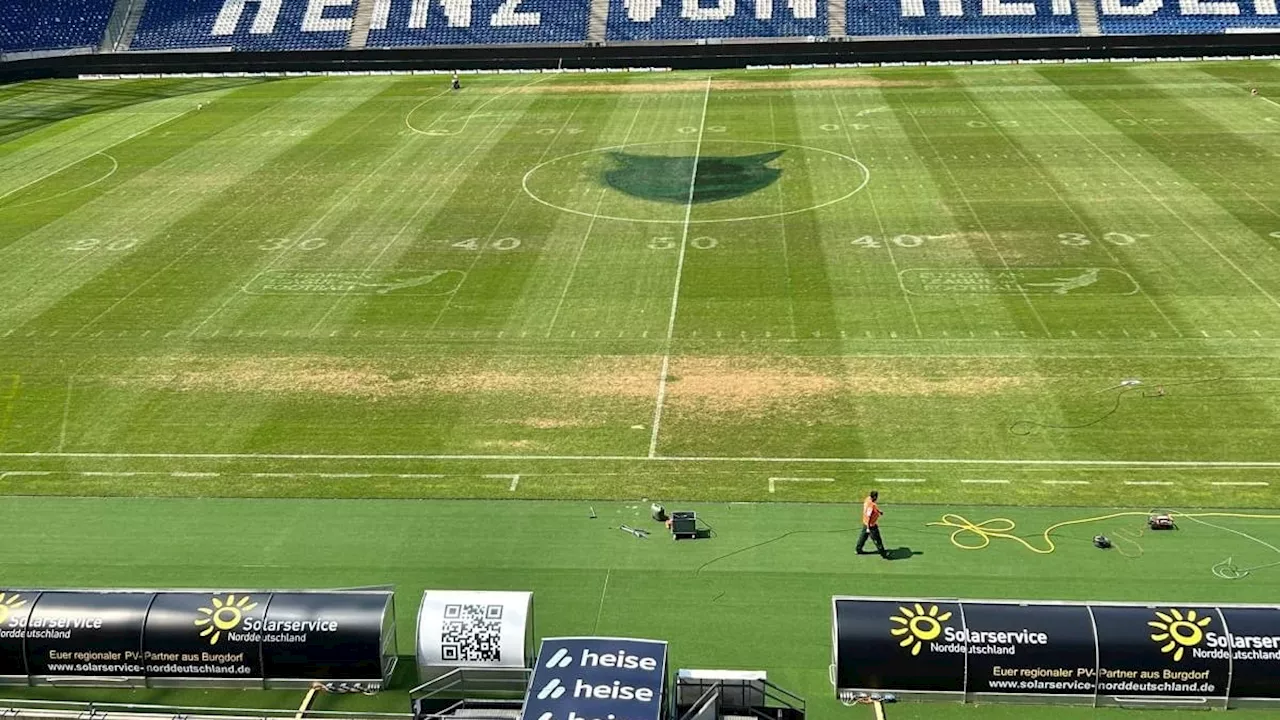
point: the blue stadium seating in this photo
(696, 19)
(1182, 17)
(880, 18)
(52, 24)
(417, 23)
(258, 25)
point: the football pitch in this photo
(303, 331)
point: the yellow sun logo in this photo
(919, 627)
(224, 615)
(1178, 632)
(8, 605)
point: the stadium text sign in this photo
(591, 678)
(222, 637)
(1090, 651)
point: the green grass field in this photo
(248, 327)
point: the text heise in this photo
(615, 690)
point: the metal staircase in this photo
(1087, 14)
(597, 21)
(836, 19)
(360, 25)
(122, 24)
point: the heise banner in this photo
(1085, 652)
(231, 638)
(594, 678)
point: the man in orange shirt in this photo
(871, 524)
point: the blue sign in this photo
(593, 678)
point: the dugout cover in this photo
(1103, 653)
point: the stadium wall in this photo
(674, 56)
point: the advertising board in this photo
(581, 678)
(1098, 653)
(214, 638)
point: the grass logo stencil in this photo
(664, 178)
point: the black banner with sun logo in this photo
(15, 610)
(1159, 651)
(230, 638)
(899, 645)
(1115, 653)
(203, 635)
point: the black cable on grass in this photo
(1024, 427)
(770, 541)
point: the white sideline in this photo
(675, 294)
(1032, 462)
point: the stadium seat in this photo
(1186, 17)
(244, 24)
(887, 18)
(27, 25)
(705, 19)
(418, 23)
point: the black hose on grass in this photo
(1025, 427)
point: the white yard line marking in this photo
(875, 212)
(138, 134)
(985, 482)
(1241, 483)
(1192, 464)
(600, 610)
(515, 479)
(66, 411)
(180, 474)
(273, 475)
(675, 294)
(1161, 202)
(479, 254)
(1064, 482)
(573, 270)
(343, 475)
(1084, 223)
(900, 480)
(1147, 482)
(376, 172)
(773, 481)
(24, 473)
(959, 188)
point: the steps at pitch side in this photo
(597, 21)
(836, 18)
(360, 25)
(122, 24)
(1087, 14)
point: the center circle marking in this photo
(524, 183)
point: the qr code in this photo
(471, 633)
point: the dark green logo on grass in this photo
(664, 178)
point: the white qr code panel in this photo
(471, 633)
(473, 628)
